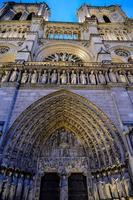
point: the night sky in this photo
(65, 10)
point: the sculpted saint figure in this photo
(92, 78)
(83, 78)
(54, 77)
(112, 76)
(5, 77)
(14, 75)
(24, 78)
(121, 77)
(73, 77)
(101, 189)
(44, 77)
(101, 78)
(34, 77)
(64, 188)
(130, 77)
(63, 77)
(114, 188)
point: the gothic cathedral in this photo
(66, 104)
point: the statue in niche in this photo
(112, 76)
(54, 77)
(5, 77)
(44, 77)
(34, 77)
(14, 75)
(73, 78)
(24, 78)
(92, 78)
(63, 77)
(101, 77)
(130, 77)
(121, 77)
(83, 78)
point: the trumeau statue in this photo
(5, 77)
(92, 78)
(63, 77)
(130, 77)
(54, 77)
(14, 75)
(73, 77)
(83, 78)
(101, 77)
(44, 77)
(121, 77)
(112, 76)
(34, 77)
(24, 78)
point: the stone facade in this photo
(66, 106)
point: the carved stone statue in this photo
(54, 77)
(14, 75)
(63, 77)
(44, 77)
(121, 77)
(114, 189)
(101, 189)
(5, 77)
(130, 77)
(34, 77)
(83, 78)
(24, 78)
(73, 77)
(112, 76)
(92, 78)
(19, 186)
(101, 77)
(64, 188)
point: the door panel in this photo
(50, 187)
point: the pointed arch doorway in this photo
(41, 141)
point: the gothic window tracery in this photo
(122, 52)
(4, 49)
(17, 16)
(66, 57)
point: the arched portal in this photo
(65, 133)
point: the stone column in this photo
(63, 187)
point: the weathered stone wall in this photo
(117, 103)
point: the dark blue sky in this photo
(65, 10)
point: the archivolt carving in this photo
(63, 109)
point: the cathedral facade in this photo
(66, 104)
